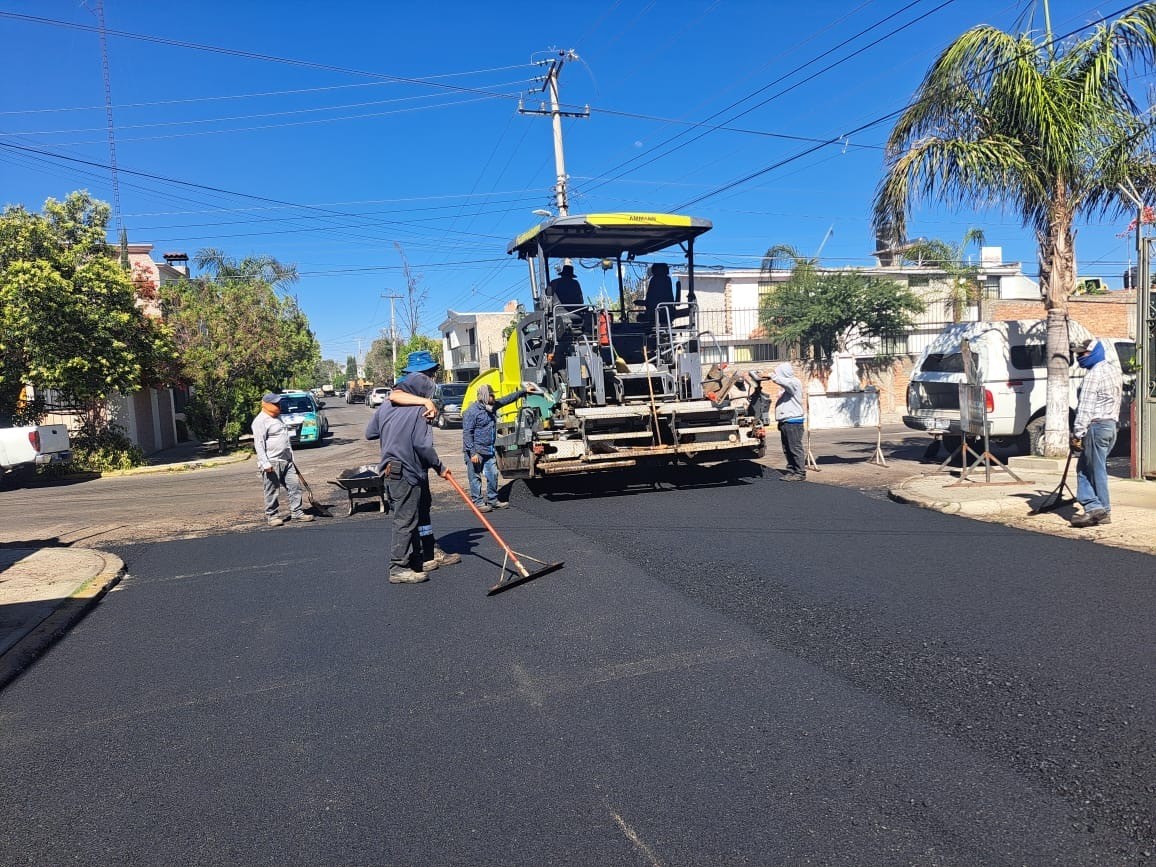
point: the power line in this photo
(255, 95)
(872, 123)
(251, 55)
(784, 76)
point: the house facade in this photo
(872, 370)
(473, 342)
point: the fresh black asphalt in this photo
(734, 671)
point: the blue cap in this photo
(419, 362)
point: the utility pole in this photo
(1144, 395)
(550, 85)
(392, 331)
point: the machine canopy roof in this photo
(601, 236)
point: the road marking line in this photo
(636, 841)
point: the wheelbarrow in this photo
(363, 483)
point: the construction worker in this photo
(565, 288)
(407, 456)
(790, 415)
(271, 441)
(416, 390)
(1094, 431)
(479, 433)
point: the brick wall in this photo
(1104, 315)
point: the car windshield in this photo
(453, 392)
(296, 404)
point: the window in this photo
(1029, 357)
(944, 362)
(756, 352)
(895, 346)
(991, 287)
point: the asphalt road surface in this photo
(733, 670)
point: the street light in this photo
(542, 212)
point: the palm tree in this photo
(1049, 130)
(962, 280)
(263, 268)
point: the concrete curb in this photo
(1003, 507)
(44, 634)
(183, 466)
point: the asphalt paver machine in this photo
(619, 388)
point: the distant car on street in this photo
(448, 397)
(377, 397)
(302, 414)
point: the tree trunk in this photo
(1057, 277)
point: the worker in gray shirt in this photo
(271, 440)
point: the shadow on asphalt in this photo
(623, 483)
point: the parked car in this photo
(33, 446)
(1011, 360)
(377, 397)
(303, 414)
(448, 397)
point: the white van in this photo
(1012, 363)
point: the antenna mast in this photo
(550, 84)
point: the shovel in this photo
(320, 508)
(509, 577)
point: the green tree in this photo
(963, 287)
(68, 315)
(237, 338)
(350, 367)
(821, 311)
(1049, 130)
(328, 372)
(415, 344)
(263, 269)
(379, 360)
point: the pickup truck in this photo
(33, 445)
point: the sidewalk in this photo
(44, 591)
(1133, 502)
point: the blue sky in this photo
(363, 126)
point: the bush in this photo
(104, 452)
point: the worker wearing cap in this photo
(1094, 431)
(416, 390)
(271, 441)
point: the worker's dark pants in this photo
(411, 509)
(791, 433)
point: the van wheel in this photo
(1031, 441)
(441, 421)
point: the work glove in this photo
(1076, 444)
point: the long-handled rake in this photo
(509, 577)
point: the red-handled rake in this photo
(520, 574)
